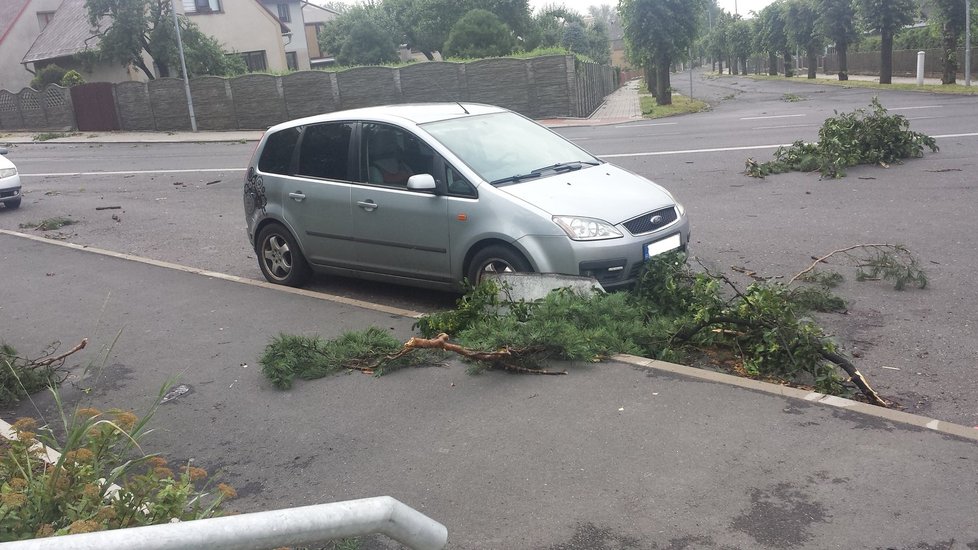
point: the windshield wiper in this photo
(565, 166)
(517, 178)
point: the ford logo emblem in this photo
(656, 220)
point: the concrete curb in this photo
(941, 426)
(892, 415)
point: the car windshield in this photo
(507, 148)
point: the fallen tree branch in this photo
(505, 358)
(840, 251)
(856, 377)
(60, 358)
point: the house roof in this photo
(68, 33)
(10, 12)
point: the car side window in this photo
(276, 157)
(325, 151)
(390, 155)
(457, 184)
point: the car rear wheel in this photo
(279, 257)
(14, 204)
(496, 259)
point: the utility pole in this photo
(183, 65)
(967, 42)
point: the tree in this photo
(719, 43)
(949, 18)
(360, 36)
(661, 30)
(128, 29)
(836, 21)
(574, 38)
(773, 37)
(739, 33)
(801, 19)
(479, 33)
(885, 17)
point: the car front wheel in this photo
(496, 259)
(14, 204)
(279, 257)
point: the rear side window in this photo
(325, 151)
(276, 157)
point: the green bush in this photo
(479, 33)
(51, 74)
(72, 78)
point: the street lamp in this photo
(183, 65)
(967, 42)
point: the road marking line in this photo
(121, 173)
(713, 150)
(644, 125)
(917, 107)
(771, 116)
(742, 148)
(223, 276)
(783, 126)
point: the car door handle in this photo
(298, 196)
(367, 205)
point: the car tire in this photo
(14, 204)
(279, 257)
(496, 259)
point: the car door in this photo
(398, 231)
(317, 199)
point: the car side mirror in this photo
(421, 182)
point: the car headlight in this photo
(586, 229)
(7, 172)
(680, 208)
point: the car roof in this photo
(414, 113)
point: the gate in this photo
(95, 107)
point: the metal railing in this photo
(263, 530)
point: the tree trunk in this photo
(734, 65)
(720, 65)
(841, 50)
(142, 66)
(886, 57)
(663, 91)
(812, 63)
(950, 61)
(789, 71)
(650, 81)
(772, 64)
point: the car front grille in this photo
(652, 221)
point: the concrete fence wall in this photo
(543, 87)
(904, 63)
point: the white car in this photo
(9, 182)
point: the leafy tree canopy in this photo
(479, 33)
(128, 29)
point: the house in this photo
(37, 33)
(21, 22)
(315, 18)
(66, 35)
(260, 31)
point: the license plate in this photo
(665, 245)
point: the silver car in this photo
(9, 182)
(435, 194)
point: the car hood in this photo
(605, 192)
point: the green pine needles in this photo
(849, 139)
(674, 313)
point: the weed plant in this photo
(101, 479)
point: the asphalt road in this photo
(611, 456)
(181, 203)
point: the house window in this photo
(255, 61)
(44, 17)
(201, 6)
(283, 12)
(292, 59)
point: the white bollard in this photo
(920, 68)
